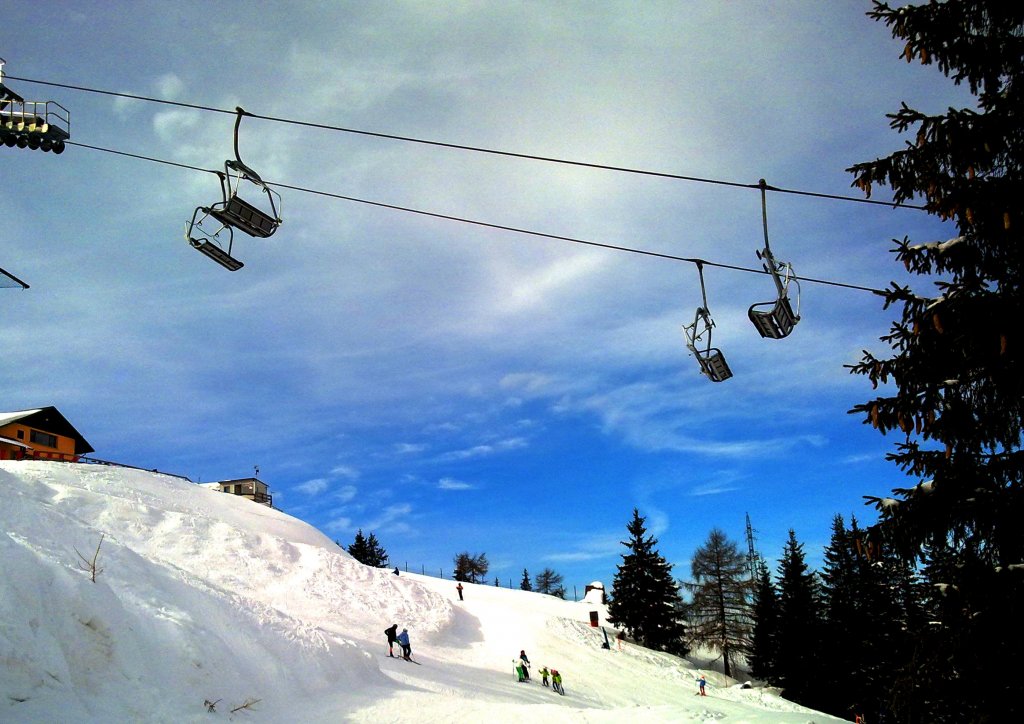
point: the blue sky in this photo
(447, 386)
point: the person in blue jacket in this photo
(403, 640)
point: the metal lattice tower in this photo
(753, 559)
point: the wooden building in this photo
(252, 488)
(41, 434)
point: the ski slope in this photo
(203, 599)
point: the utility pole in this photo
(752, 558)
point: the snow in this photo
(202, 597)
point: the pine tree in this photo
(845, 630)
(549, 582)
(645, 599)
(957, 392)
(798, 656)
(358, 548)
(368, 550)
(375, 553)
(761, 653)
(890, 598)
(720, 609)
(525, 584)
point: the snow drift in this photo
(209, 607)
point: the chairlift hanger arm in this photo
(238, 164)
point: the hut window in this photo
(43, 438)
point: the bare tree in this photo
(90, 565)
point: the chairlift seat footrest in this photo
(217, 254)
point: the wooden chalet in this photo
(40, 434)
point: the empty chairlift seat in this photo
(233, 212)
(698, 339)
(775, 322)
(775, 319)
(242, 215)
(711, 360)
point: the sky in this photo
(202, 599)
(449, 386)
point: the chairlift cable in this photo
(480, 149)
(485, 224)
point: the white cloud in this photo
(713, 488)
(345, 471)
(170, 87)
(478, 451)
(346, 493)
(453, 484)
(313, 487)
(338, 525)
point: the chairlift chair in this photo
(711, 360)
(237, 212)
(42, 125)
(233, 212)
(775, 319)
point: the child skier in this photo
(403, 639)
(556, 682)
(701, 682)
(544, 675)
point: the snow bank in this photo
(202, 597)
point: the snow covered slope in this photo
(206, 597)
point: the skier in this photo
(459, 589)
(701, 682)
(556, 682)
(392, 633)
(544, 673)
(620, 637)
(526, 663)
(403, 639)
(517, 667)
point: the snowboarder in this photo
(403, 640)
(392, 633)
(459, 589)
(556, 682)
(544, 673)
(396, 570)
(701, 682)
(525, 662)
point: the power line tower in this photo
(753, 559)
